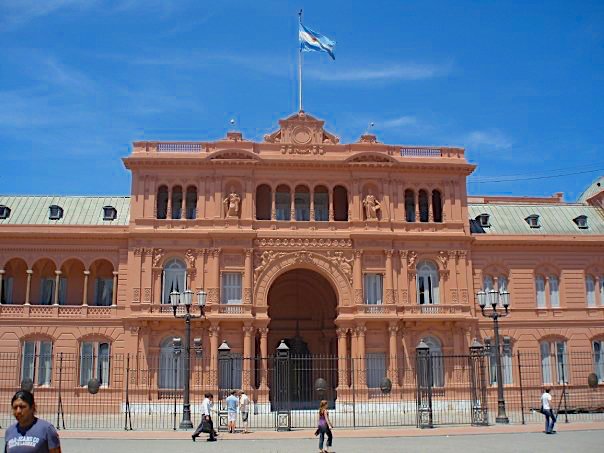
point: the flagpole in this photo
(300, 66)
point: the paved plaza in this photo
(455, 440)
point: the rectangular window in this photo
(231, 369)
(231, 288)
(373, 288)
(37, 362)
(506, 360)
(598, 347)
(62, 291)
(490, 349)
(94, 362)
(321, 206)
(590, 289)
(540, 290)
(282, 202)
(546, 363)
(47, 286)
(7, 291)
(554, 292)
(103, 292)
(376, 369)
(562, 362)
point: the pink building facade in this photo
(358, 249)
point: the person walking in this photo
(30, 433)
(206, 424)
(324, 427)
(244, 410)
(232, 403)
(546, 410)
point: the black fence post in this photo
(423, 366)
(521, 388)
(128, 415)
(60, 413)
(225, 382)
(354, 392)
(480, 413)
(283, 390)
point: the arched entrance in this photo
(302, 311)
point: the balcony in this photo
(436, 311)
(375, 311)
(214, 309)
(58, 311)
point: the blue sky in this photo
(519, 84)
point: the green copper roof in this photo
(554, 219)
(34, 210)
(594, 188)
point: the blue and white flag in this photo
(311, 41)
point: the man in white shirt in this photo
(546, 409)
(244, 408)
(206, 417)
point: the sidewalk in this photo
(341, 433)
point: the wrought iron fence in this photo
(146, 392)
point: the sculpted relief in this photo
(232, 204)
(372, 206)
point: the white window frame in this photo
(95, 362)
(590, 290)
(375, 366)
(554, 361)
(231, 288)
(540, 291)
(598, 356)
(427, 282)
(373, 288)
(174, 277)
(554, 291)
(36, 361)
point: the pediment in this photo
(301, 130)
(233, 154)
(371, 158)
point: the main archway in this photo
(302, 311)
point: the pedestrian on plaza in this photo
(206, 425)
(324, 427)
(546, 410)
(244, 409)
(232, 403)
(30, 433)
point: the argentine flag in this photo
(311, 41)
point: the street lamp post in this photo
(185, 299)
(493, 298)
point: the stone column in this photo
(85, 291)
(392, 363)
(2, 271)
(292, 205)
(330, 205)
(362, 367)
(247, 277)
(274, 204)
(430, 207)
(169, 208)
(388, 288)
(312, 204)
(417, 218)
(214, 331)
(342, 358)
(28, 286)
(114, 289)
(247, 358)
(214, 283)
(264, 356)
(357, 278)
(55, 296)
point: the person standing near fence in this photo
(244, 409)
(546, 410)
(232, 403)
(30, 434)
(324, 427)
(206, 425)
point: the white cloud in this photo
(401, 121)
(408, 71)
(492, 138)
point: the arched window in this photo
(174, 279)
(427, 283)
(340, 204)
(263, 202)
(302, 203)
(162, 202)
(423, 206)
(282, 203)
(437, 206)
(36, 361)
(94, 362)
(590, 289)
(487, 283)
(191, 203)
(598, 352)
(409, 205)
(321, 202)
(554, 361)
(171, 366)
(177, 202)
(438, 368)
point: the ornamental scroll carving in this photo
(157, 256)
(411, 259)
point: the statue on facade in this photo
(232, 203)
(372, 206)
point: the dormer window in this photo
(4, 212)
(581, 222)
(533, 221)
(109, 213)
(483, 220)
(55, 212)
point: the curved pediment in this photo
(233, 154)
(301, 130)
(371, 158)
